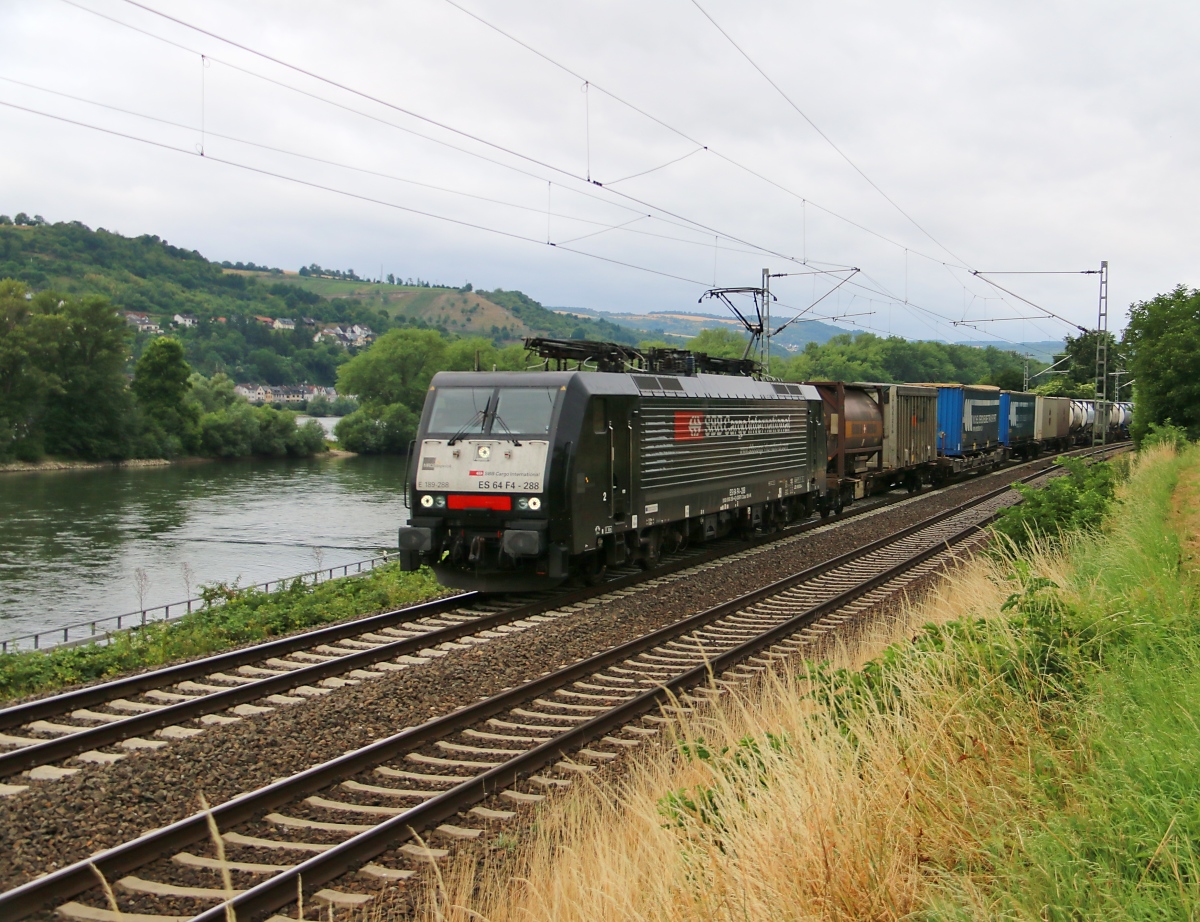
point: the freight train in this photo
(521, 480)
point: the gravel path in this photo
(57, 823)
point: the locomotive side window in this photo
(524, 410)
(461, 410)
(599, 416)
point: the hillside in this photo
(686, 324)
(224, 330)
(504, 316)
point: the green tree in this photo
(1007, 379)
(718, 342)
(1080, 351)
(88, 415)
(866, 357)
(378, 429)
(26, 371)
(212, 394)
(396, 369)
(1063, 386)
(161, 382)
(1163, 345)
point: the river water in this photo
(71, 542)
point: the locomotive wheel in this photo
(674, 542)
(593, 569)
(652, 551)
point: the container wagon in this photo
(968, 429)
(1018, 422)
(1083, 418)
(1052, 427)
(878, 436)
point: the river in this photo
(72, 542)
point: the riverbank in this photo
(50, 464)
(246, 616)
(1030, 753)
(78, 545)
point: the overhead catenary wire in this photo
(814, 304)
(602, 225)
(678, 132)
(804, 201)
(753, 63)
(354, 195)
(828, 140)
(687, 223)
(1030, 303)
(368, 96)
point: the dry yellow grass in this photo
(822, 817)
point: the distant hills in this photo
(1043, 351)
(686, 324)
(148, 275)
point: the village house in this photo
(185, 320)
(142, 322)
(283, 393)
(360, 335)
(284, 323)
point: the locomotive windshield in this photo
(463, 411)
(526, 410)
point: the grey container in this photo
(909, 426)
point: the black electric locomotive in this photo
(520, 480)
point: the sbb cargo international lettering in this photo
(691, 426)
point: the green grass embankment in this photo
(247, 616)
(1032, 752)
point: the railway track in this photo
(103, 723)
(356, 816)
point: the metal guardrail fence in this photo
(100, 629)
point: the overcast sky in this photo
(1014, 136)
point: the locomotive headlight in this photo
(523, 503)
(440, 502)
(427, 501)
(534, 503)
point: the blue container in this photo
(1018, 416)
(968, 419)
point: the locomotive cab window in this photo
(524, 410)
(467, 411)
(599, 416)
(460, 410)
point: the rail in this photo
(100, 629)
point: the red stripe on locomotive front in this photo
(479, 501)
